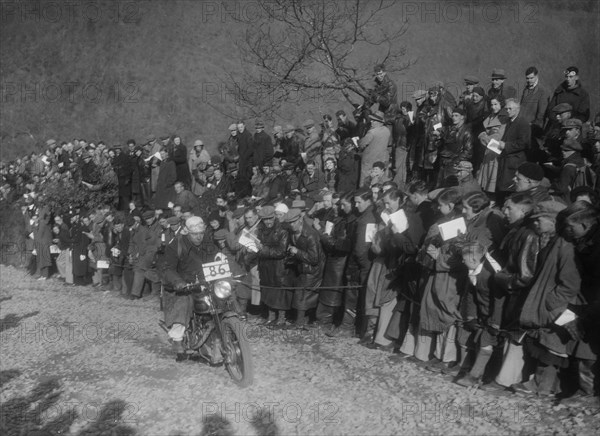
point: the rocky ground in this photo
(76, 360)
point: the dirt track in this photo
(80, 361)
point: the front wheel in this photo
(236, 350)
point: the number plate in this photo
(216, 270)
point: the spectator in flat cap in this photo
(142, 248)
(573, 170)
(229, 148)
(312, 179)
(374, 145)
(476, 110)
(466, 181)
(277, 140)
(186, 199)
(470, 83)
(455, 145)
(534, 101)
(514, 144)
(497, 88)
(165, 184)
(291, 145)
(554, 134)
(306, 255)
(557, 286)
(346, 128)
(385, 92)
(312, 144)
(570, 91)
(245, 142)
(263, 146)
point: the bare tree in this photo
(320, 46)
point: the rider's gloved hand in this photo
(180, 285)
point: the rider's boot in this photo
(179, 351)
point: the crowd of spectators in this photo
(461, 234)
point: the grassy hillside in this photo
(117, 70)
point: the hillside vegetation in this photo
(118, 70)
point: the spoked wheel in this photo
(236, 350)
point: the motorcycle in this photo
(215, 331)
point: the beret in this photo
(292, 215)
(531, 170)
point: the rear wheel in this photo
(237, 353)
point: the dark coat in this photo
(165, 185)
(362, 250)
(306, 268)
(182, 263)
(139, 174)
(519, 253)
(314, 183)
(246, 152)
(337, 247)
(534, 103)
(263, 149)
(517, 137)
(271, 265)
(556, 286)
(568, 174)
(182, 168)
(577, 97)
(80, 248)
(348, 169)
(122, 166)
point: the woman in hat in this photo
(494, 126)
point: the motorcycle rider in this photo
(182, 264)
